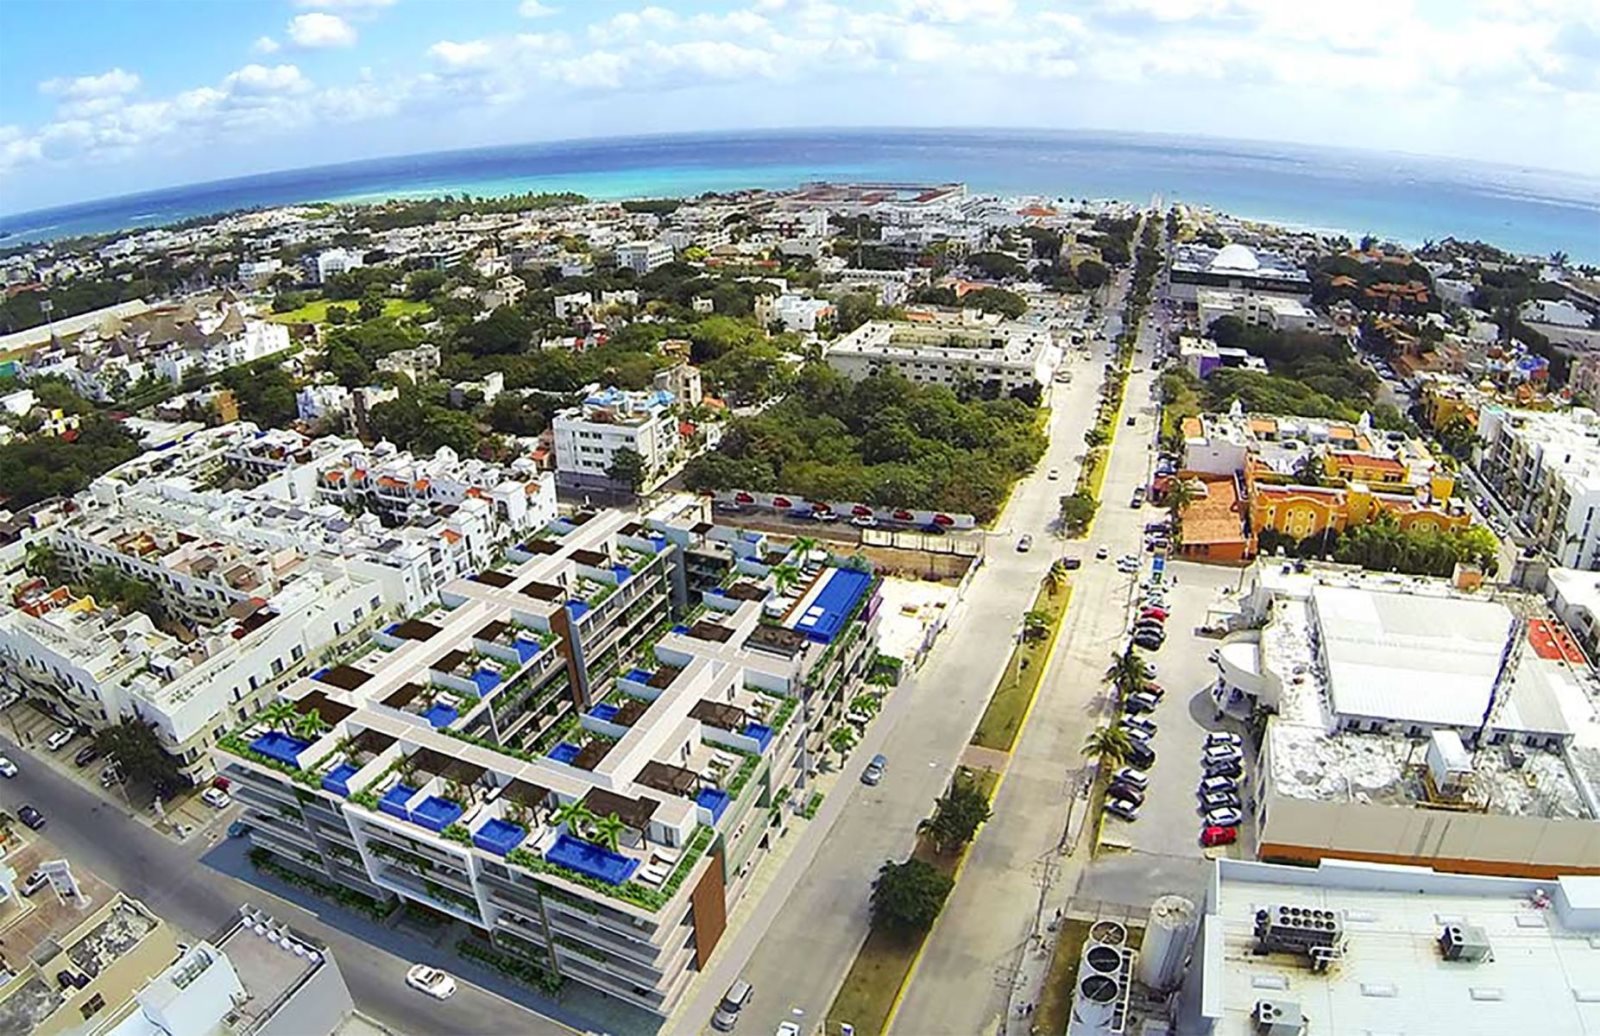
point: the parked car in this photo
(1222, 753)
(30, 816)
(58, 737)
(238, 829)
(1136, 503)
(1126, 791)
(1209, 785)
(86, 755)
(1129, 422)
(1225, 768)
(111, 775)
(1153, 625)
(216, 798)
(1132, 778)
(1224, 737)
(1213, 800)
(733, 1001)
(1227, 817)
(1139, 702)
(1101, 553)
(431, 981)
(865, 521)
(1071, 563)
(1025, 544)
(787, 1029)
(1156, 543)
(1124, 808)
(1149, 641)
(34, 882)
(1154, 611)
(1139, 725)
(7, 767)
(1160, 527)
(1141, 754)
(1211, 835)
(875, 769)
(1152, 688)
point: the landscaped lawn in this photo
(317, 312)
(1009, 703)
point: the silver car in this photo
(875, 769)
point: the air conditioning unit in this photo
(1465, 942)
(1278, 1018)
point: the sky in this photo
(106, 97)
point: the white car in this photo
(7, 767)
(431, 981)
(1055, 473)
(788, 1029)
(216, 798)
(57, 738)
(1225, 817)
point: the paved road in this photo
(963, 983)
(191, 887)
(812, 937)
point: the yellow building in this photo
(1445, 399)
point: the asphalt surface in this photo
(194, 887)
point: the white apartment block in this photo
(794, 312)
(319, 267)
(643, 256)
(577, 304)
(1276, 312)
(588, 436)
(258, 272)
(1546, 468)
(948, 353)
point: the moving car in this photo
(216, 798)
(1124, 808)
(1126, 566)
(1026, 543)
(1071, 562)
(30, 816)
(1101, 553)
(1215, 835)
(7, 767)
(1209, 785)
(1132, 778)
(875, 769)
(1055, 473)
(732, 1002)
(57, 738)
(1213, 800)
(431, 981)
(1228, 817)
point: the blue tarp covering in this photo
(499, 836)
(441, 715)
(760, 733)
(564, 753)
(394, 801)
(591, 860)
(826, 614)
(337, 779)
(435, 813)
(714, 799)
(285, 748)
(605, 712)
(486, 681)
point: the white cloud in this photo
(455, 56)
(261, 80)
(114, 83)
(265, 45)
(345, 5)
(535, 9)
(319, 29)
(955, 12)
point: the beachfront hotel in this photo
(581, 754)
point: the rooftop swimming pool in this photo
(591, 860)
(285, 748)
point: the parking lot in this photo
(1169, 821)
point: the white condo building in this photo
(588, 436)
(948, 353)
(643, 256)
(1546, 468)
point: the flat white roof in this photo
(1411, 658)
(1544, 976)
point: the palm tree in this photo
(607, 831)
(279, 715)
(1054, 576)
(866, 704)
(784, 576)
(1128, 671)
(1180, 494)
(575, 815)
(842, 740)
(805, 545)
(310, 725)
(1108, 746)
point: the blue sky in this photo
(105, 97)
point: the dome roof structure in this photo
(1235, 257)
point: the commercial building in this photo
(1234, 268)
(1353, 948)
(582, 757)
(1545, 467)
(1413, 722)
(949, 352)
(319, 266)
(794, 312)
(643, 256)
(589, 435)
(1258, 309)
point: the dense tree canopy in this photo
(38, 468)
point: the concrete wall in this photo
(315, 1007)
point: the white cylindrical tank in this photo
(1165, 946)
(1094, 1003)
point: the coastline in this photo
(1404, 198)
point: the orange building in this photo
(1213, 522)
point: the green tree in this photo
(1077, 511)
(310, 725)
(1091, 274)
(1035, 624)
(1129, 672)
(908, 896)
(841, 740)
(957, 815)
(1110, 746)
(784, 576)
(138, 752)
(278, 714)
(577, 817)
(371, 307)
(1310, 470)
(607, 831)
(627, 469)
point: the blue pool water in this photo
(435, 813)
(499, 836)
(564, 753)
(760, 733)
(578, 608)
(486, 681)
(592, 860)
(638, 675)
(827, 613)
(714, 799)
(337, 779)
(285, 748)
(394, 801)
(440, 715)
(605, 712)
(527, 647)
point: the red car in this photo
(1159, 614)
(1219, 836)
